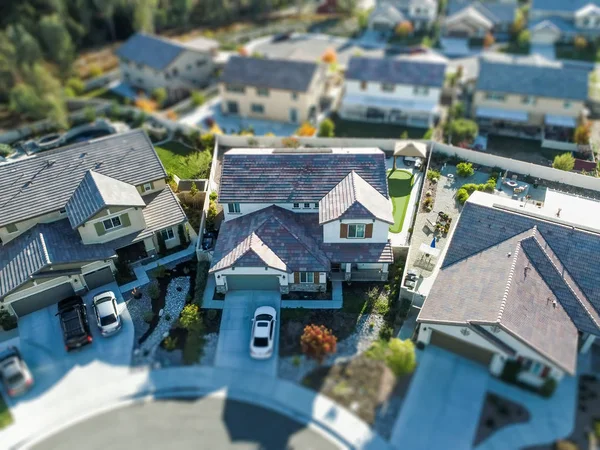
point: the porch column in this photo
(497, 364)
(384, 271)
(347, 273)
(587, 343)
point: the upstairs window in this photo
(567, 105)
(200, 63)
(234, 88)
(316, 205)
(528, 100)
(11, 228)
(168, 234)
(306, 205)
(262, 92)
(296, 205)
(112, 223)
(234, 208)
(363, 85)
(386, 87)
(495, 96)
(294, 96)
(419, 90)
(257, 108)
(356, 231)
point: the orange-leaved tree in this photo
(317, 342)
(488, 40)
(404, 28)
(145, 104)
(329, 56)
(306, 130)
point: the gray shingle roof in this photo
(396, 71)
(45, 182)
(162, 210)
(96, 192)
(354, 198)
(540, 81)
(561, 5)
(543, 305)
(151, 51)
(359, 253)
(496, 11)
(281, 74)
(295, 177)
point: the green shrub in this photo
(7, 320)
(511, 371)
(194, 344)
(428, 134)
(160, 95)
(213, 196)
(76, 85)
(433, 175)
(386, 332)
(198, 98)
(5, 150)
(160, 271)
(89, 113)
(148, 316)
(548, 387)
(398, 355)
(201, 279)
(190, 317)
(462, 130)
(564, 162)
(464, 169)
(95, 71)
(207, 141)
(169, 343)
(327, 128)
(154, 291)
(462, 195)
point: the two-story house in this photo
(515, 285)
(67, 214)
(389, 13)
(148, 62)
(399, 91)
(274, 89)
(552, 21)
(475, 19)
(532, 101)
(295, 218)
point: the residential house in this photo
(552, 21)
(275, 89)
(400, 91)
(532, 101)
(148, 62)
(295, 218)
(389, 13)
(516, 285)
(67, 214)
(475, 19)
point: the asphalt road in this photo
(205, 423)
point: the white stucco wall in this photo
(401, 92)
(331, 231)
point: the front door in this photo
(293, 115)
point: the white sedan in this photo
(263, 331)
(107, 314)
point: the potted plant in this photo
(136, 293)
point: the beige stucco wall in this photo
(157, 185)
(537, 111)
(25, 225)
(90, 236)
(44, 284)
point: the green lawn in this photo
(183, 161)
(5, 416)
(399, 183)
(351, 128)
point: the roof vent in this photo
(83, 155)
(98, 164)
(50, 163)
(508, 254)
(554, 303)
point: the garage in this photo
(252, 282)
(462, 348)
(98, 278)
(42, 299)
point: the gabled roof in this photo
(540, 81)
(152, 51)
(295, 175)
(497, 12)
(396, 71)
(470, 13)
(354, 198)
(96, 192)
(388, 11)
(561, 5)
(45, 182)
(414, 149)
(284, 74)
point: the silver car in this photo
(107, 314)
(15, 374)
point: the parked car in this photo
(74, 323)
(282, 36)
(263, 330)
(15, 374)
(412, 160)
(107, 313)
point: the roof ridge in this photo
(508, 282)
(45, 248)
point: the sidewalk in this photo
(285, 397)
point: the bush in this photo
(433, 175)
(162, 246)
(582, 134)
(160, 95)
(306, 130)
(7, 320)
(548, 387)
(564, 162)
(194, 344)
(398, 355)
(207, 141)
(580, 43)
(290, 142)
(198, 98)
(169, 343)
(153, 291)
(76, 85)
(523, 38)
(89, 113)
(403, 29)
(317, 342)
(190, 318)
(464, 169)
(511, 371)
(386, 332)
(327, 128)
(5, 150)
(565, 445)
(428, 134)
(329, 56)
(488, 40)
(462, 130)
(95, 71)
(462, 196)
(148, 316)
(182, 232)
(457, 111)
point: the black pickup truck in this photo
(74, 323)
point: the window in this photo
(307, 277)
(234, 208)
(62, 211)
(293, 115)
(316, 205)
(11, 228)
(296, 205)
(420, 90)
(356, 231)
(567, 105)
(167, 234)
(237, 89)
(147, 187)
(189, 67)
(167, 76)
(385, 87)
(307, 205)
(257, 108)
(494, 96)
(363, 85)
(111, 224)
(528, 100)
(175, 71)
(262, 92)
(294, 96)
(200, 63)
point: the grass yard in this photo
(400, 183)
(184, 161)
(351, 128)
(5, 416)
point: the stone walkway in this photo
(336, 301)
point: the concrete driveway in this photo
(443, 404)
(233, 348)
(62, 377)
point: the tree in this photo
(465, 169)
(580, 43)
(306, 130)
(428, 134)
(461, 130)
(582, 134)
(76, 85)
(193, 189)
(211, 215)
(317, 342)
(457, 111)
(523, 38)
(57, 41)
(26, 48)
(198, 98)
(363, 19)
(404, 29)
(143, 15)
(160, 95)
(190, 318)
(329, 56)
(182, 232)
(404, 135)
(519, 23)
(488, 40)
(5, 150)
(398, 355)
(327, 128)
(564, 162)
(162, 247)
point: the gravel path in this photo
(366, 332)
(137, 307)
(175, 300)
